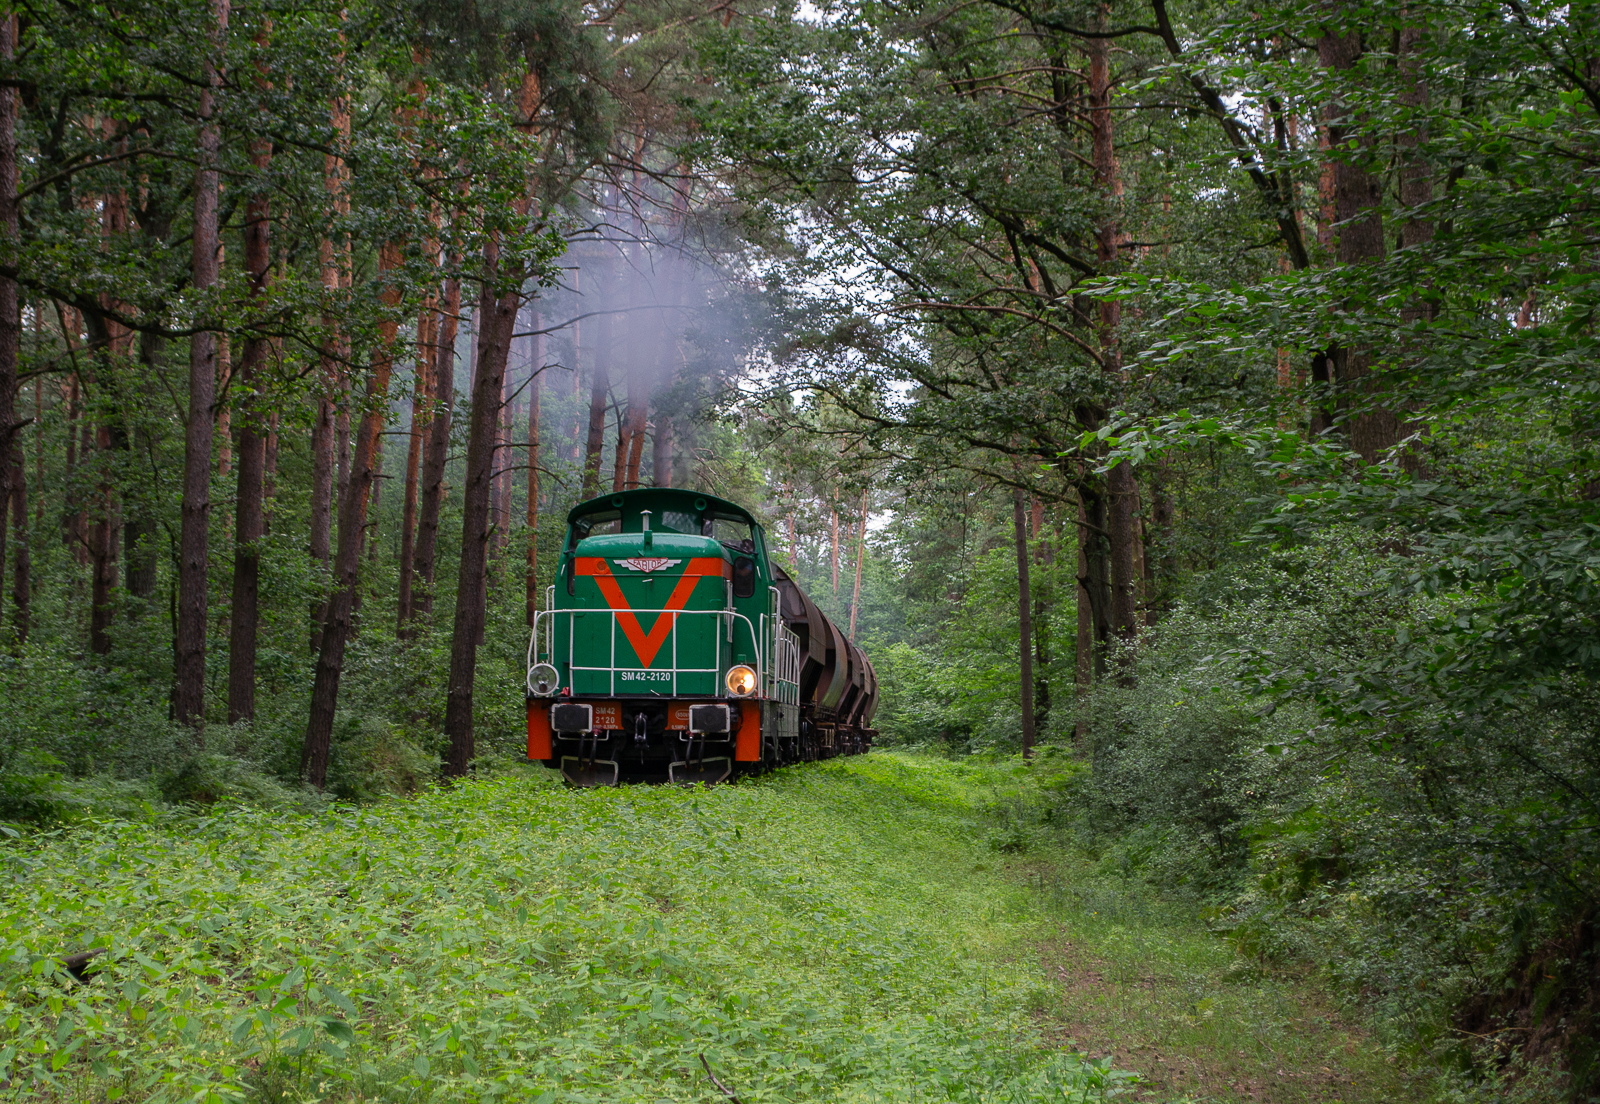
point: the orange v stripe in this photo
(645, 646)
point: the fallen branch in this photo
(78, 964)
(727, 1092)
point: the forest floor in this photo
(860, 930)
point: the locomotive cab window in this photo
(731, 533)
(679, 521)
(596, 525)
(744, 577)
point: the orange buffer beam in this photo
(747, 746)
(539, 730)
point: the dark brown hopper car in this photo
(838, 687)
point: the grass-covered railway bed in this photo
(878, 928)
(817, 935)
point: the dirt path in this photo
(1173, 1002)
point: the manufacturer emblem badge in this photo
(646, 563)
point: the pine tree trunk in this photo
(506, 461)
(1120, 489)
(114, 437)
(1093, 592)
(11, 472)
(224, 420)
(189, 682)
(334, 262)
(421, 385)
(436, 451)
(347, 561)
(102, 546)
(861, 551)
(661, 451)
(577, 369)
(1357, 200)
(374, 510)
(249, 523)
(21, 566)
(535, 380)
(319, 543)
(638, 410)
(1024, 623)
(495, 322)
(833, 515)
(139, 526)
(599, 390)
(269, 471)
(71, 517)
(1043, 556)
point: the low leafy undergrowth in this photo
(821, 934)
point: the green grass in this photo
(861, 930)
(818, 935)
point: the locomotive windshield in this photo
(733, 533)
(679, 521)
(594, 525)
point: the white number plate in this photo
(644, 676)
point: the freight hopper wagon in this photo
(672, 648)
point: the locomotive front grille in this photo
(572, 717)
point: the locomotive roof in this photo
(641, 497)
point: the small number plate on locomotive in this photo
(644, 676)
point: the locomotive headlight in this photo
(544, 680)
(741, 681)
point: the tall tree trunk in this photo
(638, 410)
(1024, 622)
(319, 540)
(224, 419)
(1043, 556)
(1119, 482)
(114, 437)
(1163, 565)
(11, 475)
(619, 457)
(139, 524)
(269, 471)
(347, 561)
(861, 551)
(535, 380)
(375, 509)
(80, 519)
(102, 545)
(833, 515)
(334, 262)
(249, 523)
(421, 385)
(495, 322)
(577, 367)
(436, 450)
(71, 516)
(661, 451)
(599, 391)
(1357, 199)
(341, 437)
(189, 682)
(21, 565)
(38, 450)
(503, 463)
(1094, 591)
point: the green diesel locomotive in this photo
(672, 648)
